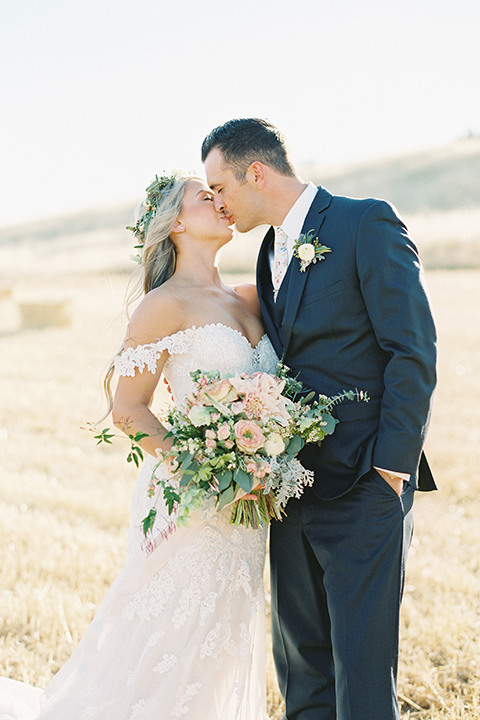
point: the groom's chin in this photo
(242, 227)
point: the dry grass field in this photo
(64, 502)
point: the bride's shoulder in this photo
(159, 314)
(249, 294)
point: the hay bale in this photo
(44, 313)
(6, 290)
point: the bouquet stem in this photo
(256, 513)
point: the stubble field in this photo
(64, 501)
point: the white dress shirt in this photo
(293, 223)
(292, 227)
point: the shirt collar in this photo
(293, 223)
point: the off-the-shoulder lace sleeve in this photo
(141, 357)
(146, 356)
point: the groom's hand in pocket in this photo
(395, 482)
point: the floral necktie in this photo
(280, 260)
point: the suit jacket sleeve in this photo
(393, 287)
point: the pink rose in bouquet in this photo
(223, 432)
(248, 436)
(221, 391)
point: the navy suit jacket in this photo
(360, 318)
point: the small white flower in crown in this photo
(308, 249)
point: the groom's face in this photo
(239, 200)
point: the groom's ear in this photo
(256, 174)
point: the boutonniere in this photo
(309, 249)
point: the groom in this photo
(355, 317)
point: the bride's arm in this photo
(157, 316)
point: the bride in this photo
(181, 630)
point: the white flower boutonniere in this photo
(309, 249)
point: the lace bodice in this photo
(209, 347)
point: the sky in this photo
(99, 95)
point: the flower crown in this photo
(148, 208)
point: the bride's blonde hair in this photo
(158, 257)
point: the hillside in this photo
(437, 191)
(441, 179)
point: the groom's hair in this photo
(246, 140)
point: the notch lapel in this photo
(297, 280)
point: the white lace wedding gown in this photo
(180, 633)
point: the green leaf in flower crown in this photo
(243, 479)
(295, 445)
(227, 496)
(224, 479)
(154, 191)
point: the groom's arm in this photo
(393, 287)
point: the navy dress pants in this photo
(337, 570)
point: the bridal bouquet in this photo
(239, 436)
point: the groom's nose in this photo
(218, 203)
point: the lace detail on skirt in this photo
(181, 632)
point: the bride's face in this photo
(198, 216)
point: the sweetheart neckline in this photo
(212, 325)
